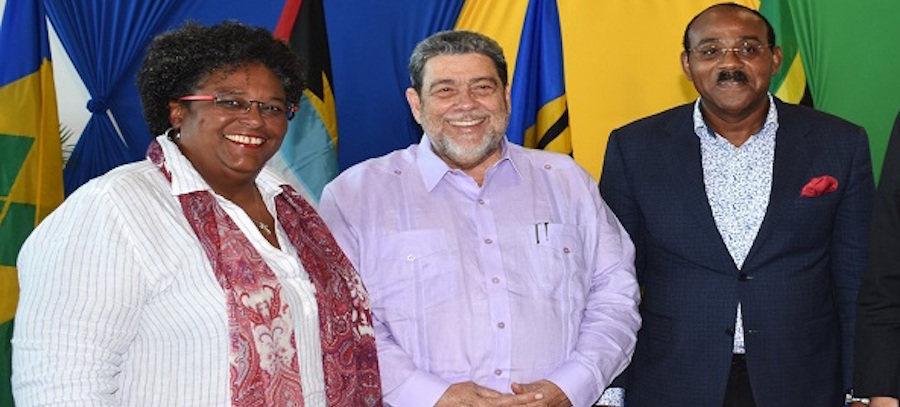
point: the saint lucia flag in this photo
(540, 113)
(309, 153)
(30, 154)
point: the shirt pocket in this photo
(414, 271)
(557, 254)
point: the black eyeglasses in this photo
(747, 51)
(233, 104)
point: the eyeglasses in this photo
(747, 51)
(233, 105)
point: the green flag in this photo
(849, 55)
(789, 83)
(30, 153)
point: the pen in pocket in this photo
(537, 231)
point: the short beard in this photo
(466, 158)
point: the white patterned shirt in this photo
(738, 184)
(120, 306)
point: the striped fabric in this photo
(120, 306)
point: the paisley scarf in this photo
(263, 358)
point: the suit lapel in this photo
(792, 159)
(681, 149)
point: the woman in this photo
(195, 277)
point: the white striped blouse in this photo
(119, 304)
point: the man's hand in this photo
(553, 396)
(881, 402)
(469, 394)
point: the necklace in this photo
(264, 228)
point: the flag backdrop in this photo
(308, 155)
(850, 60)
(541, 117)
(621, 63)
(30, 153)
(370, 46)
(789, 83)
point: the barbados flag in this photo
(30, 154)
(308, 155)
(540, 114)
(530, 35)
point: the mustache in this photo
(735, 76)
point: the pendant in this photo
(263, 227)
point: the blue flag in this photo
(540, 114)
(308, 155)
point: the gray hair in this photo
(455, 43)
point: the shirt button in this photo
(398, 172)
(498, 372)
(488, 241)
(566, 250)
(410, 257)
(501, 325)
(495, 280)
(547, 166)
(481, 201)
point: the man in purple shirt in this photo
(497, 274)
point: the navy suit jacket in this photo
(797, 286)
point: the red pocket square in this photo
(819, 186)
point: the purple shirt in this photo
(528, 277)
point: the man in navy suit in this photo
(750, 218)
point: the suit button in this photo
(744, 277)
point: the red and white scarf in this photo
(263, 357)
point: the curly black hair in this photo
(178, 61)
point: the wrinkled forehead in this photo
(726, 24)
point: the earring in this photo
(173, 137)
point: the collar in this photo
(701, 128)
(433, 168)
(186, 179)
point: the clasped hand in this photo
(879, 402)
(542, 393)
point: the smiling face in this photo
(463, 108)
(226, 144)
(730, 86)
